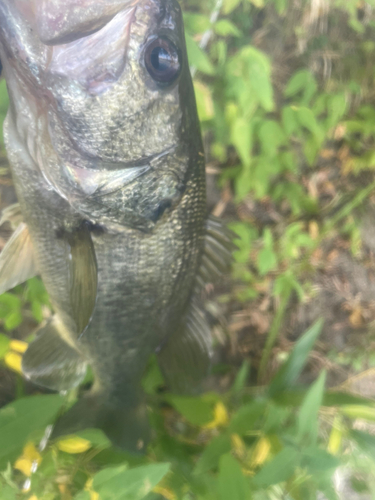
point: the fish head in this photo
(102, 99)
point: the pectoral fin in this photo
(82, 276)
(17, 263)
(185, 358)
(51, 362)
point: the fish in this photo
(106, 154)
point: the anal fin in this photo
(51, 362)
(17, 263)
(186, 357)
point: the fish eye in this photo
(162, 61)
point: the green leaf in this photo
(204, 101)
(198, 58)
(317, 460)
(211, 455)
(281, 468)
(289, 118)
(132, 484)
(24, 419)
(13, 320)
(241, 378)
(224, 27)
(242, 139)
(83, 495)
(196, 410)
(365, 441)
(302, 81)
(359, 411)
(230, 5)
(4, 102)
(196, 23)
(232, 484)
(307, 421)
(291, 370)
(271, 137)
(4, 345)
(266, 261)
(96, 437)
(246, 417)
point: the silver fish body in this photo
(104, 143)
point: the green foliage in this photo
(268, 117)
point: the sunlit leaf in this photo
(25, 418)
(232, 484)
(132, 484)
(211, 455)
(307, 421)
(290, 371)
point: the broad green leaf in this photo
(257, 3)
(196, 410)
(266, 261)
(198, 58)
(211, 455)
(196, 23)
(130, 484)
(318, 461)
(204, 101)
(307, 421)
(4, 345)
(224, 27)
(259, 75)
(365, 441)
(302, 81)
(246, 417)
(230, 5)
(232, 484)
(290, 122)
(241, 137)
(83, 495)
(281, 468)
(271, 137)
(24, 419)
(291, 370)
(96, 437)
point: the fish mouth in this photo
(65, 21)
(107, 180)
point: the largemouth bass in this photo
(104, 143)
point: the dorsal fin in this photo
(17, 263)
(185, 358)
(217, 253)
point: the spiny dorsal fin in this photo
(83, 276)
(217, 253)
(17, 263)
(51, 362)
(185, 358)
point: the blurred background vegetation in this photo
(285, 94)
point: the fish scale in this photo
(108, 165)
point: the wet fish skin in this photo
(108, 167)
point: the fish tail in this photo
(125, 424)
